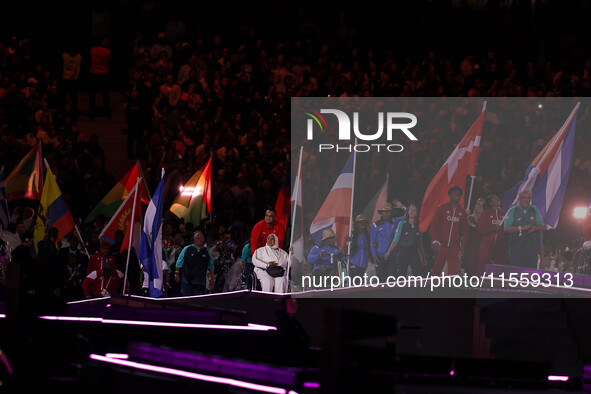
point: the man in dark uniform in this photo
(195, 260)
(381, 236)
(524, 227)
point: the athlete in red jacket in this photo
(109, 282)
(98, 260)
(449, 227)
(262, 229)
(493, 245)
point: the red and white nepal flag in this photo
(454, 171)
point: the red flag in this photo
(121, 220)
(454, 171)
(282, 206)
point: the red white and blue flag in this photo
(547, 176)
(336, 209)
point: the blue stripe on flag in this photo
(150, 244)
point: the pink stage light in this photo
(121, 356)
(313, 385)
(249, 327)
(556, 378)
(190, 375)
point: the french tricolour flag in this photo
(335, 211)
(547, 176)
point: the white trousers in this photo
(268, 283)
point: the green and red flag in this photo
(194, 200)
(113, 200)
(25, 180)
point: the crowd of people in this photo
(191, 96)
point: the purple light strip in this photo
(190, 375)
(556, 378)
(249, 327)
(72, 318)
(313, 385)
(121, 356)
(2, 316)
(88, 300)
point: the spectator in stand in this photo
(71, 60)
(99, 78)
(137, 123)
(170, 91)
(160, 46)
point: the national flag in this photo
(25, 180)
(112, 201)
(282, 206)
(53, 211)
(297, 256)
(194, 200)
(547, 176)
(457, 167)
(151, 242)
(336, 209)
(4, 214)
(121, 220)
(377, 202)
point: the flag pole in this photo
(41, 158)
(351, 213)
(207, 187)
(293, 217)
(143, 177)
(473, 177)
(131, 233)
(470, 194)
(81, 241)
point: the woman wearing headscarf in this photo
(268, 256)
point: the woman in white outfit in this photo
(268, 256)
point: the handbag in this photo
(275, 271)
